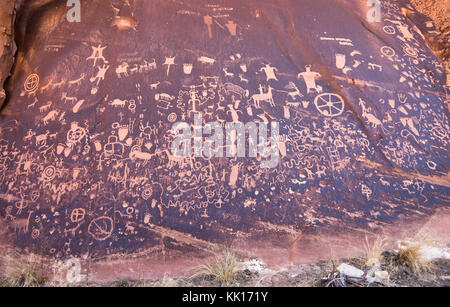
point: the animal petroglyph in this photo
(122, 70)
(21, 225)
(263, 97)
(88, 156)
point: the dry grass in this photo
(411, 257)
(222, 269)
(410, 253)
(23, 273)
(374, 251)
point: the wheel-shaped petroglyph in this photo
(31, 83)
(329, 104)
(49, 173)
(410, 51)
(387, 51)
(172, 117)
(101, 228)
(77, 215)
(389, 30)
(75, 134)
(147, 192)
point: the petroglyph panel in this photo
(86, 166)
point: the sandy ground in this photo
(439, 12)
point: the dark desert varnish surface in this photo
(86, 168)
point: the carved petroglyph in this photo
(88, 159)
(21, 225)
(263, 97)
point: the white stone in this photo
(430, 253)
(381, 275)
(254, 265)
(350, 271)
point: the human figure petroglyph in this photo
(97, 54)
(270, 72)
(100, 74)
(310, 79)
(321, 171)
(147, 130)
(73, 230)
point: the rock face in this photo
(87, 166)
(438, 11)
(7, 45)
